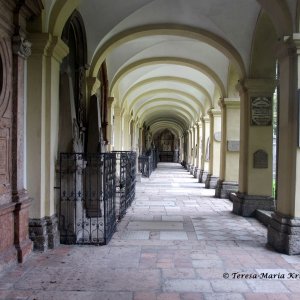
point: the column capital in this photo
(93, 84)
(48, 45)
(216, 112)
(257, 86)
(110, 101)
(206, 119)
(289, 46)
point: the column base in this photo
(211, 182)
(188, 167)
(138, 177)
(44, 233)
(224, 188)
(195, 172)
(199, 174)
(192, 169)
(53, 233)
(246, 205)
(204, 176)
(284, 234)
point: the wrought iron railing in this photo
(126, 177)
(87, 213)
(148, 163)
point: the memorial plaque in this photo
(260, 159)
(218, 136)
(233, 146)
(261, 111)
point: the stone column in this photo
(189, 149)
(42, 136)
(215, 138)
(206, 149)
(197, 154)
(126, 134)
(230, 145)
(193, 150)
(199, 157)
(284, 228)
(117, 128)
(137, 139)
(256, 148)
(110, 121)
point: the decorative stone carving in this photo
(21, 46)
(261, 111)
(233, 146)
(218, 136)
(260, 159)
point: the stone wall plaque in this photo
(261, 111)
(233, 146)
(260, 159)
(217, 136)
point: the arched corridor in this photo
(171, 125)
(175, 242)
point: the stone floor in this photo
(176, 242)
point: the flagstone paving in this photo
(176, 242)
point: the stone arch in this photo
(60, 13)
(280, 15)
(167, 29)
(171, 60)
(263, 60)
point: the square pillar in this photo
(284, 228)
(42, 143)
(230, 147)
(215, 137)
(206, 149)
(256, 148)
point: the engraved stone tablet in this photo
(260, 159)
(218, 136)
(233, 146)
(261, 111)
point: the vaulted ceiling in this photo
(169, 61)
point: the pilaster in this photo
(43, 120)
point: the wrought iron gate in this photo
(87, 212)
(126, 175)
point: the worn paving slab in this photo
(176, 242)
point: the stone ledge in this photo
(211, 182)
(44, 233)
(203, 178)
(246, 205)
(284, 234)
(225, 188)
(263, 216)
